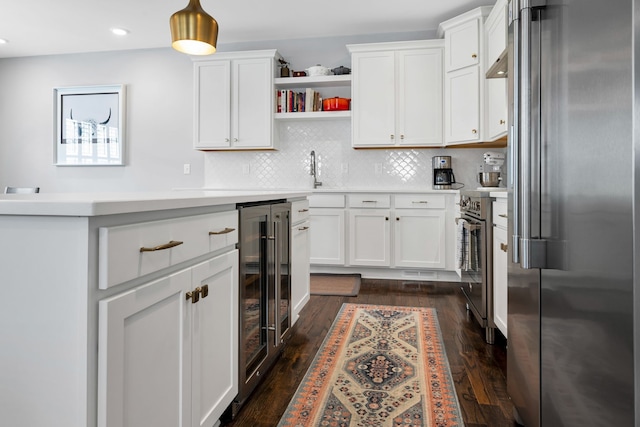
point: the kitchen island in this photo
(107, 302)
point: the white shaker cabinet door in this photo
(369, 237)
(500, 290)
(327, 236)
(252, 103)
(300, 269)
(420, 97)
(214, 338)
(420, 238)
(212, 108)
(462, 46)
(144, 369)
(373, 99)
(462, 107)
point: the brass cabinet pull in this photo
(226, 230)
(503, 215)
(401, 136)
(502, 122)
(392, 136)
(504, 247)
(473, 55)
(194, 296)
(369, 201)
(420, 201)
(169, 245)
(303, 228)
(303, 210)
(204, 291)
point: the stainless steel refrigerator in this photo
(572, 182)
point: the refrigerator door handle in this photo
(276, 285)
(514, 136)
(532, 250)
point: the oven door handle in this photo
(470, 224)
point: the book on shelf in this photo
(290, 101)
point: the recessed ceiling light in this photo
(4, 41)
(119, 31)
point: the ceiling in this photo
(44, 27)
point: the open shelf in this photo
(314, 82)
(315, 115)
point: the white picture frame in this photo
(89, 125)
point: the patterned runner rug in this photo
(378, 366)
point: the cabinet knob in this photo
(386, 218)
(474, 131)
(474, 56)
(397, 218)
(401, 136)
(194, 296)
(226, 140)
(504, 247)
(502, 122)
(392, 136)
(235, 139)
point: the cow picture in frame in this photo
(89, 125)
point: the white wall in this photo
(158, 121)
(159, 127)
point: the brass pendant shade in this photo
(193, 31)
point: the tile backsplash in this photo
(339, 165)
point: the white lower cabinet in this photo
(300, 247)
(420, 238)
(400, 235)
(327, 236)
(168, 349)
(369, 237)
(500, 260)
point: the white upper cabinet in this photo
(462, 45)
(397, 94)
(464, 82)
(496, 88)
(233, 101)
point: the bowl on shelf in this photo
(318, 70)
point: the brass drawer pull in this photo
(303, 210)
(369, 201)
(504, 247)
(169, 245)
(503, 215)
(303, 228)
(420, 201)
(194, 296)
(204, 291)
(226, 230)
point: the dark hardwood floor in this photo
(478, 369)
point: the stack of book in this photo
(290, 101)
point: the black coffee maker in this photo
(442, 173)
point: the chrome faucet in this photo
(314, 170)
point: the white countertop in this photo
(321, 190)
(95, 204)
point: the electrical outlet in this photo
(378, 168)
(186, 168)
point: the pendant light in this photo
(193, 31)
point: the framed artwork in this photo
(89, 125)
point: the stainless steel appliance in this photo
(573, 305)
(265, 291)
(490, 172)
(442, 172)
(476, 260)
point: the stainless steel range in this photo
(476, 259)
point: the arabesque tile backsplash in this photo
(339, 165)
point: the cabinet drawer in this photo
(500, 213)
(326, 201)
(369, 200)
(420, 201)
(130, 251)
(299, 211)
